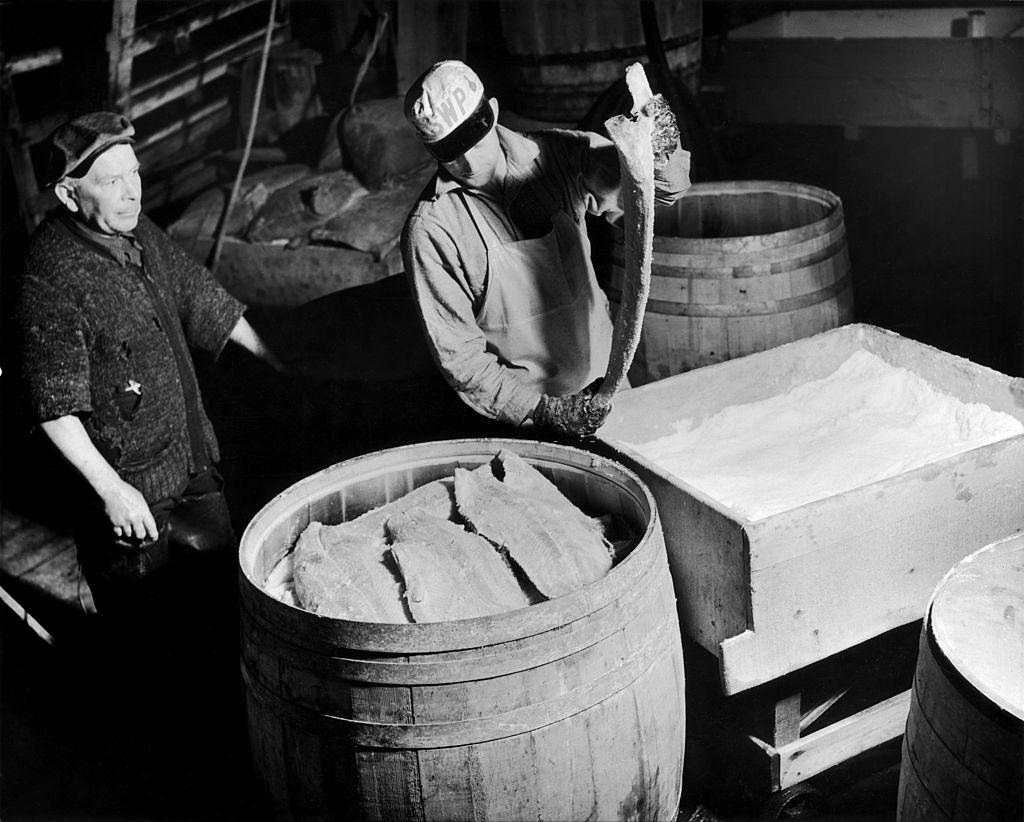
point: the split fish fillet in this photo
(632, 138)
(523, 477)
(342, 573)
(341, 570)
(437, 498)
(450, 573)
(558, 554)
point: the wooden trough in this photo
(770, 597)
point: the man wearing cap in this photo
(108, 310)
(498, 253)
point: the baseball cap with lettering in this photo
(449, 109)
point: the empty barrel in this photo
(739, 267)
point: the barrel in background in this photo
(569, 709)
(963, 751)
(564, 53)
(739, 267)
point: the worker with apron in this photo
(499, 258)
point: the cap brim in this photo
(468, 133)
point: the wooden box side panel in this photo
(965, 380)
(707, 555)
(830, 575)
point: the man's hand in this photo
(573, 415)
(124, 506)
(665, 138)
(127, 511)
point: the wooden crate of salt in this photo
(854, 468)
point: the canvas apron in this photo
(543, 314)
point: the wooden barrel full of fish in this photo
(739, 267)
(963, 751)
(571, 708)
(562, 54)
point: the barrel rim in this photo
(398, 638)
(750, 243)
(983, 696)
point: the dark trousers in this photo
(168, 610)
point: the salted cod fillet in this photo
(523, 477)
(558, 554)
(632, 138)
(341, 571)
(450, 573)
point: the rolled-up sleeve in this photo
(433, 263)
(53, 355)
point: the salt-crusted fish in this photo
(450, 573)
(526, 479)
(343, 573)
(558, 554)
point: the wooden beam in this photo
(119, 82)
(842, 740)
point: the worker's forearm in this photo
(71, 439)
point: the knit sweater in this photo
(108, 341)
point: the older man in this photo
(108, 310)
(499, 257)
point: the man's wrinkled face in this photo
(109, 197)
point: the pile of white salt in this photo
(866, 421)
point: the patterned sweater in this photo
(108, 342)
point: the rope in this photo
(257, 99)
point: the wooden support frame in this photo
(805, 756)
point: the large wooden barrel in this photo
(963, 751)
(739, 267)
(564, 53)
(568, 709)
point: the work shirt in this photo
(106, 339)
(446, 255)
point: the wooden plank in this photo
(191, 121)
(787, 721)
(167, 28)
(33, 61)
(842, 740)
(189, 133)
(181, 184)
(22, 614)
(197, 73)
